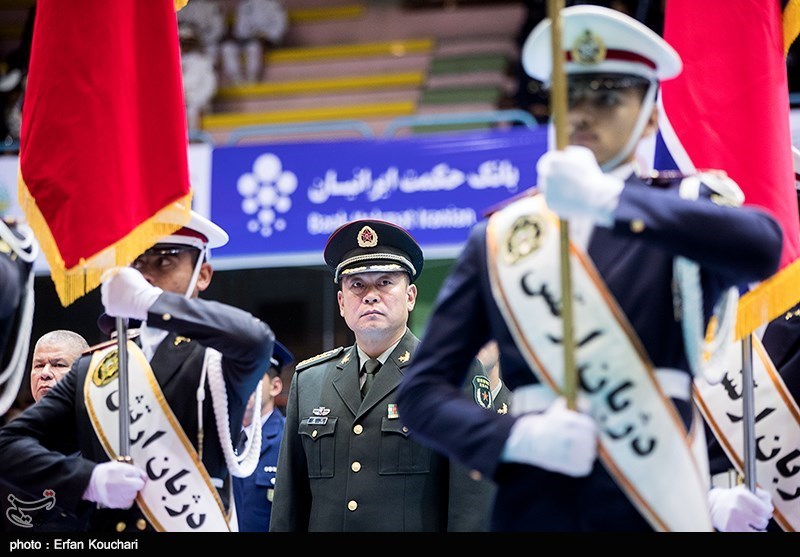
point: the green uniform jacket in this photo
(350, 466)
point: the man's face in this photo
(602, 119)
(376, 305)
(50, 363)
(170, 267)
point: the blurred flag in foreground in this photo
(729, 110)
(103, 159)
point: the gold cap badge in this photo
(588, 49)
(367, 237)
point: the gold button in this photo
(475, 475)
(352, 505)
(141, 524)
(314, 433)
(358, 429)
(356, 466)
(166, 317)
(637, 226)
(120, 526)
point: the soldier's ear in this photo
(204, 276)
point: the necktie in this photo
(371, 367)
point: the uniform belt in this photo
(727, 479)
(536, 398)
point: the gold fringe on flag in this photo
(179, 4)
(71, 284)
(768, 300)
(791, 24)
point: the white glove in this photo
(126, 293)
(559, 440)
(114, 485)
(574, 185)
(739, 510)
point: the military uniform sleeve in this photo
(740, 245)
(245, 341)
(430, 397)
(35, 446)
(292, 496)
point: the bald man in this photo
(53, 355)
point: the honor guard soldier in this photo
(254, 493)
(776, 393)
(190, 373)
(18, 251)
(620, 457)
(346, 462)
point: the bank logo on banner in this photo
(267, 195)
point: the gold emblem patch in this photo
(404, 358)
(525, 237)
(588, 49)
(107, 371)
(367, 237)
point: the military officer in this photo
(191, 372)
(616, 458)
(346, 462)
(254, 493)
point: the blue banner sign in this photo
(279, 202)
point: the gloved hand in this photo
(559, 440)
(126, 293)
(114, 485)
(739, 510)
(574, 185)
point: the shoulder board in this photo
(132, 333)
(99, 346)
(330, 354)
(506, 202)
(663, 178)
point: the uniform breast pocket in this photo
(319, 443)
(398, 453)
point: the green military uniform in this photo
(349, 465)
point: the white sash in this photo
(642, 441)
(777, 428)
(178, 495)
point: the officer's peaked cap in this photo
(281, 356)
(372, 246)
(601, 40)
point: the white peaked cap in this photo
(601, 40)
(198, 232)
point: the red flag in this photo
(729, 110)
(103, 159)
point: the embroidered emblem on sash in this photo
(525, 237)
(107, 371)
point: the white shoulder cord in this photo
(245, 464)
(26, 249)
(703, 355)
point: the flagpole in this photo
(124, 454)
(558, 108)
(748, 411)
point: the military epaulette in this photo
(663, 178)
(330, 354)
(132, 334)
(506, 202)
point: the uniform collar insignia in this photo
(404, 358)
